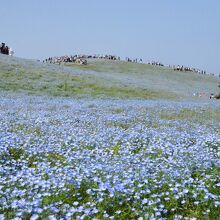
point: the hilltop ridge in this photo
(102, 78)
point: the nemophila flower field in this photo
(108, 159)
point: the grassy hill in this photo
(101, 78)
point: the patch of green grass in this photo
(121, 125)
(32, 161)
(132, 93)
(191, 114)
(26, 129)
(53, 158)
(114, 66)
(116, 150)
(16, 153)
(66, 106)
(8, 212)
(118, 110)
(71, 194)
(156, 154)
(12, 154)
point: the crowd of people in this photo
(179, 68)
(74, 58)
(188, 69)
(136, 60)
(4, 49)
(66, 59)
(82, 59)
(107, 57)
(154, 63)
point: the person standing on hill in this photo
(2, 48)
(6, 50)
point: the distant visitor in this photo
(4, 49)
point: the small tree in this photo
(218, 96)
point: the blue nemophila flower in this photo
(105, 215)
(34, 217)
(76, 203)
(144, 201)
(52, 217)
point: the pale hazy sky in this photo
(173, 32)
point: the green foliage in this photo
(118, 110)
(12, 154)
(53, 158)
(26, 129)
(116, 149)
(121, 125)
(15, 153)
(191, 114)
(217, 96)
(32, 161)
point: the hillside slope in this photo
(102, 78)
